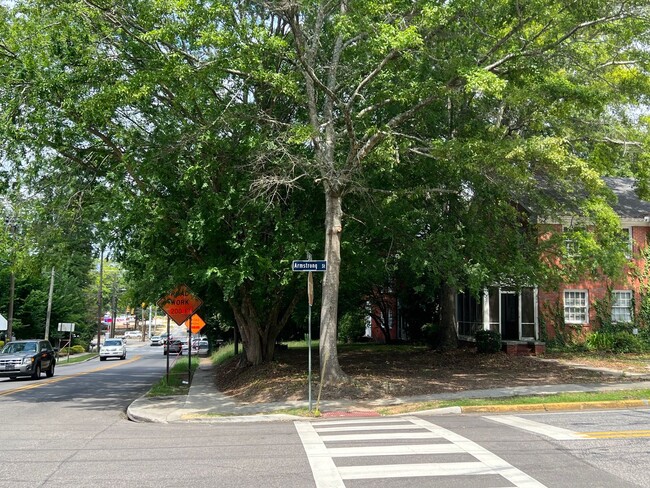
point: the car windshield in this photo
(113, 342)
(14, 347)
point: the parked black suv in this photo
(27, 358)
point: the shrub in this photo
(599, 341)
(626, 342)
(432, 335)
(488, 341)
(78, 349)
(352, 326)
(2, 343)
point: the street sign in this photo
(311, 265)
(197, 324)
(66, 326)
(180, 304)
(3, 323)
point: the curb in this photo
(553, 407)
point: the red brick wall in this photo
(552, 301)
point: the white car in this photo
(112, 348)
(156, 340)
(133, 334)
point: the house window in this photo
(571, 242)
(469, 314)
(575, 307)
(622, 306)
(626, 236)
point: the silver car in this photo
(112, 348)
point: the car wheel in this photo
(37, 372)
(102, 359)
(50, 371)
(12, 378)
(123, 357)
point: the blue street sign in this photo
(309, 265)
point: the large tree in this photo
(149, 96)
(461, 78)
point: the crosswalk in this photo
(406, 447)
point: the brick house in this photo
(526, 316)
(519, 314)
(575, 303)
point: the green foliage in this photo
(76, 349)
(487, 341)
(432, 335)
(599, 341)
(615, 342)
(626, 342)
(564, 338)
(351, 327)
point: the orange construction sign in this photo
(180, 304)
(197, 324)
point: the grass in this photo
(589, 397)
(77, 358)
(178, 383)
(222, 354)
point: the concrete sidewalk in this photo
(204, 403)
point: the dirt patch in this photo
(398, 371)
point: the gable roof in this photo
(627, 204)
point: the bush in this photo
(352, 326)
(2, 343)
(626, 342)
(616, 342)
(599, 341)
(488, 341)
(432, 335)
(66, 351)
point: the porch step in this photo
(523, 348)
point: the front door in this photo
(510, 316)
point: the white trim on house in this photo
(486, 317)
(630, 294)
(586, 306)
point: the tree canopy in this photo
(211, 140)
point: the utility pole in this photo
(10, 319)
(12, 283)
(114, 309)
(99, 297)
(49, 306)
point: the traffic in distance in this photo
(35, 357)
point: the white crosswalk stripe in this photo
(322, 443)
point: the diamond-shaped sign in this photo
(197, 324)
(180, 304)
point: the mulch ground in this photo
(377, 371)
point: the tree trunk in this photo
(258, 339)
(331, 372)
(449, 338)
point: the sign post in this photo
(309, 266)
(179, 305)
(69, 326)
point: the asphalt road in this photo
(72, 431)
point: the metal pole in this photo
(99, 298)
(310, 295)
(189, 354)
(149, 335)
(49, 306)
(167, 345)
(10, 318)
